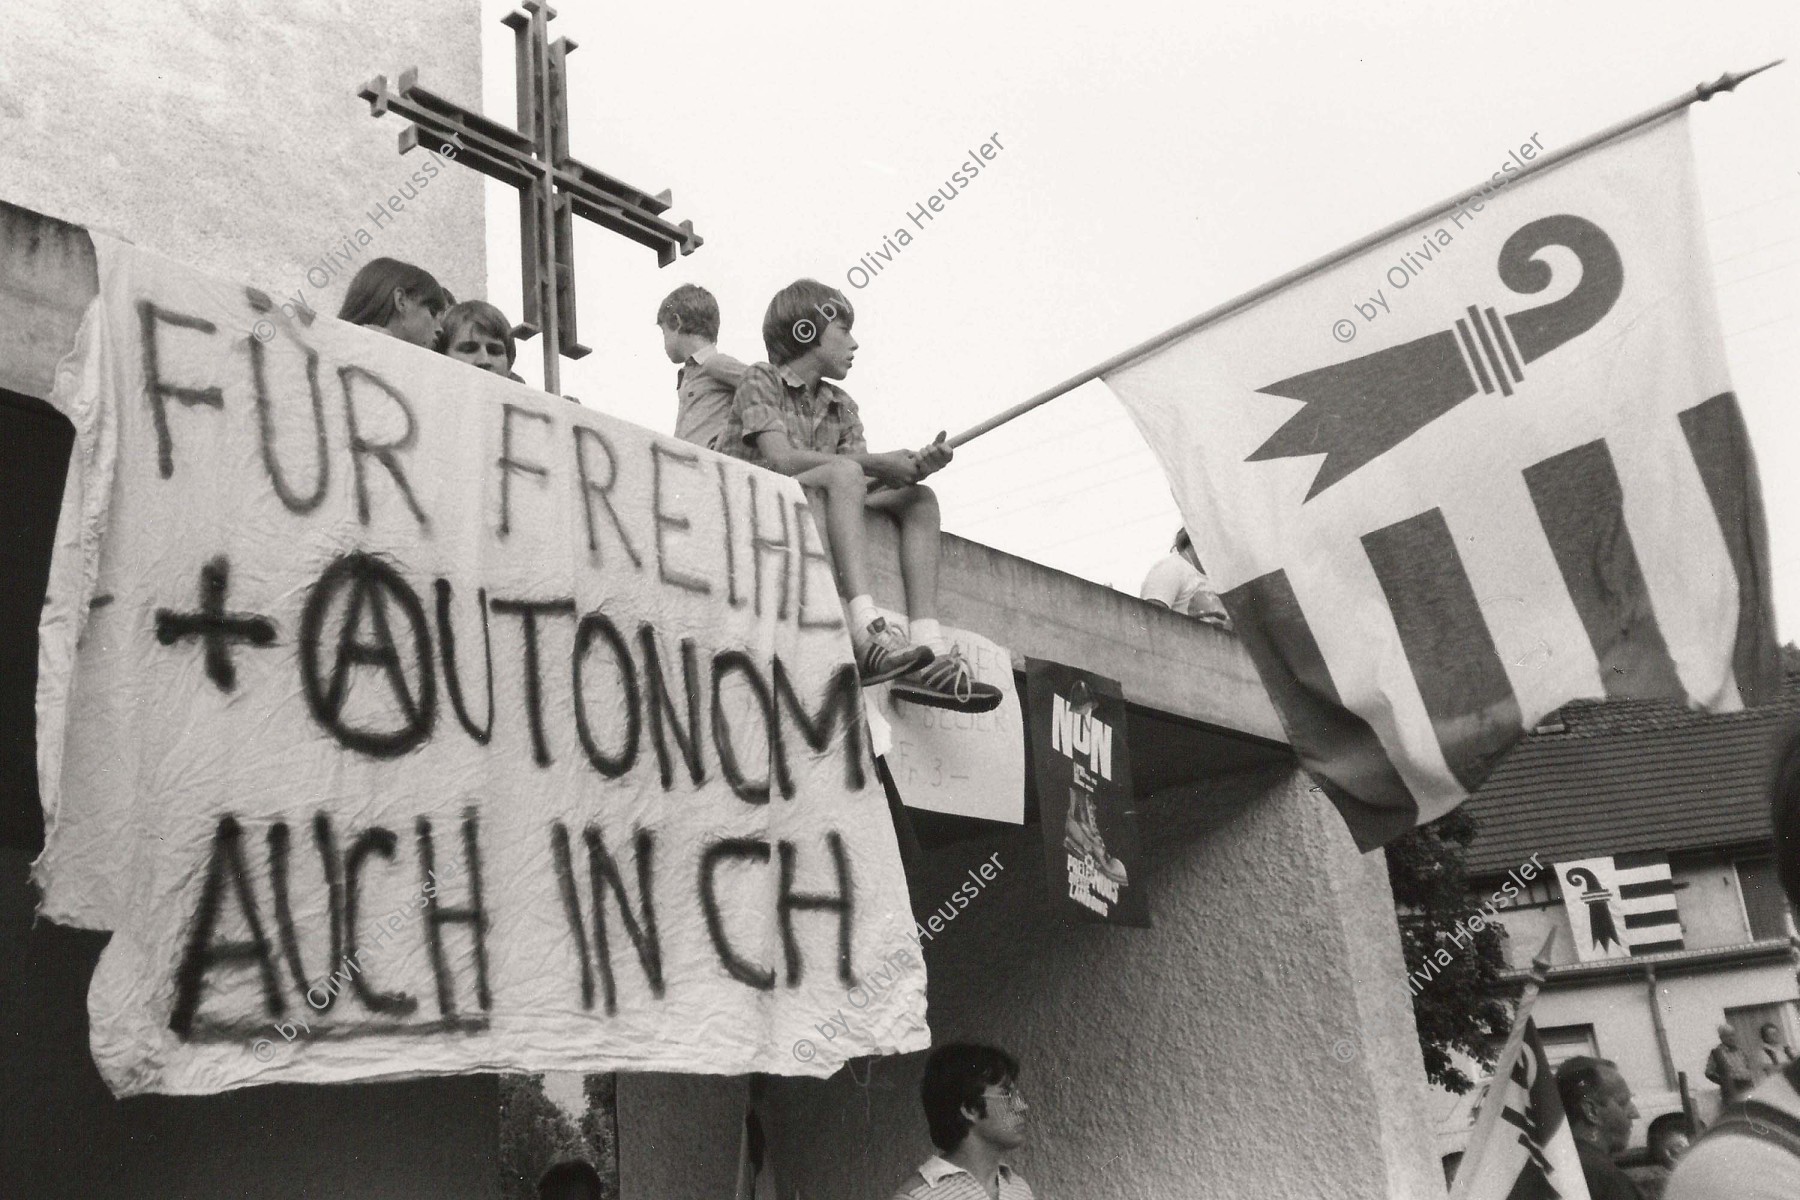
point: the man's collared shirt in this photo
(938, 1179)
(774, 399)
(704, 387)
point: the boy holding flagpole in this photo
(789, 415)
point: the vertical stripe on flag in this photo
(1540, 431)
(1581, 507)
(1461, 679)
(1721, 448)
(1375, 802)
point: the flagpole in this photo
(1704, 91)
(1495, 1103)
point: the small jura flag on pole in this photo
(1473, 472)
(1529, 1151)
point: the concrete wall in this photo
(1258, 1041)
(227, 134)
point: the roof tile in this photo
(1631, 775)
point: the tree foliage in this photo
(1458, 1005)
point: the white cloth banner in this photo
(966, 764)
(401, 720)
(1526, 482)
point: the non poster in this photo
(1082, 766)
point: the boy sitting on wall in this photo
(789, 416)
(689, 320)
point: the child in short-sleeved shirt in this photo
(790, 416)
(689, 320)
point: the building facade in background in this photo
(1669, 918)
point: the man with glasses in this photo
(976, 1114)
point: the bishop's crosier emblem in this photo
(1358, 410)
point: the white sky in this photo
(1157, 159)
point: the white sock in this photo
(924, 631)
(862, 615)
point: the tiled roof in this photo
(1629, 776)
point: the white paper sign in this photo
(967, 764)
(401, 720)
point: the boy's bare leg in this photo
(947, 681)
(835, 491)
(883, 650)
(916, 509)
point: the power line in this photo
(1750, 207)
(1719, 262)
(1759, 274)
(1035, 502)
(1034, 492)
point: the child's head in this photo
(397, 298)
(689, 318)
(479, 334)
(809, 316)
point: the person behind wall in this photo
(1753, 1151)
(397, 298)
(1728, 1066)
(976, 1113)
(1178, 583)
(708, 379)
(1773, 1053)
(788, 415)
(477, 333)
(1597, 1102)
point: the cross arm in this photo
(499, 157)
(666, 239)
(504, 154)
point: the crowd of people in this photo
(1752, 1151)
(787, 414)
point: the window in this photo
(1563, 1042)
(1765, 906)
(1749, 1019)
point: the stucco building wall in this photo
(228, 134)
(1257, 1041)
(1712, 907)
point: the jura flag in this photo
(1529, 1153)
(1489, 466)
(1618, 907)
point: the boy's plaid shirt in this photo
(773, 399)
